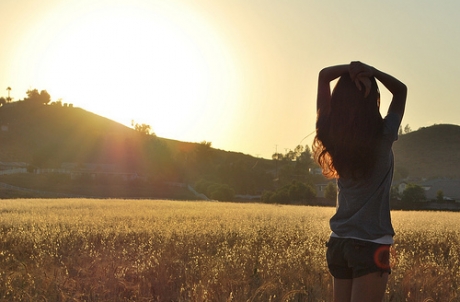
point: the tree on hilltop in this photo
(143, 128)
(277, 156)
(41, 98)
(407, 129)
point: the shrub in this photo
(221, 192)
(202, 185)
(413, 193)
(330, 192)
(296, 192)
(439, 196)
(280, 196)
(266, 196)
(300, 192)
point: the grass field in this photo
(156, 250)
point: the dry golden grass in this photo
(155, 250)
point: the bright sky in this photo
(238, 73)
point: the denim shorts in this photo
(352, 258)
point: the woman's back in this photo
(363, 204)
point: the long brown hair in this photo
(347, 136)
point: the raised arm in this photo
(326, 75)
(397, 89)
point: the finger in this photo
(368, 90)
(359, 70)
(358, 84)
(367, 85)
(352, 73)
(355, 74)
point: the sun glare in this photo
(158, 64)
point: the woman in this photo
(353, 144)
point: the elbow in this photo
(326, 75)
(404, 90)
(322, 76)
(401, 90)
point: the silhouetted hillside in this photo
(72, 134)
(49, 135)
(429, 152)
(46, 136)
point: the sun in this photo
(152, 62)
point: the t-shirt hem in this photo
(386, 239)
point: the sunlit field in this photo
(155, 250)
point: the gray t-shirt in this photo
(363, 206)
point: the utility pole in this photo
(276, 162)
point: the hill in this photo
(29, 132)
(429, 152)
(57, 134)
(50, 136)
(72, 134)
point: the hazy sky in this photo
(238, 73)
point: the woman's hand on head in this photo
(357, 69)
(366, 82)
(360, 73)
